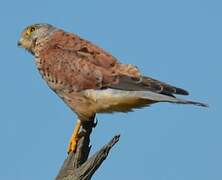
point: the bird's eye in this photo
(30, 30)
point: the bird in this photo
(89, 79)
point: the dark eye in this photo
(32, 29)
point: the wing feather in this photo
(146, 84)
(82, 65)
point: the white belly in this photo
(112, 100)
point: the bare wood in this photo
(77, 166)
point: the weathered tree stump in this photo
(77, 166)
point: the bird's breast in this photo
(50, 73)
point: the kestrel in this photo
(90, 80)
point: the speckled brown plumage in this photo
(89, 79)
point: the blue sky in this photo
(178, 42)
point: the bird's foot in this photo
(74, 138)
(72, 145)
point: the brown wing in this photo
(80, 65)
(75, 65)
(143, 83)
(164, 88)
(82, 48)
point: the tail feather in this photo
(183, 101)
(164, 98)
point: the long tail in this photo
(164, 98)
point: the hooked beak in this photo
(19, 43)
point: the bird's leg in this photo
(74, 138)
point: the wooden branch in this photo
(77, 166)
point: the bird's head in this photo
(32, 34)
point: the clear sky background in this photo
(178, 42)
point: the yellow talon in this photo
(72, 145)
(74, 138)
